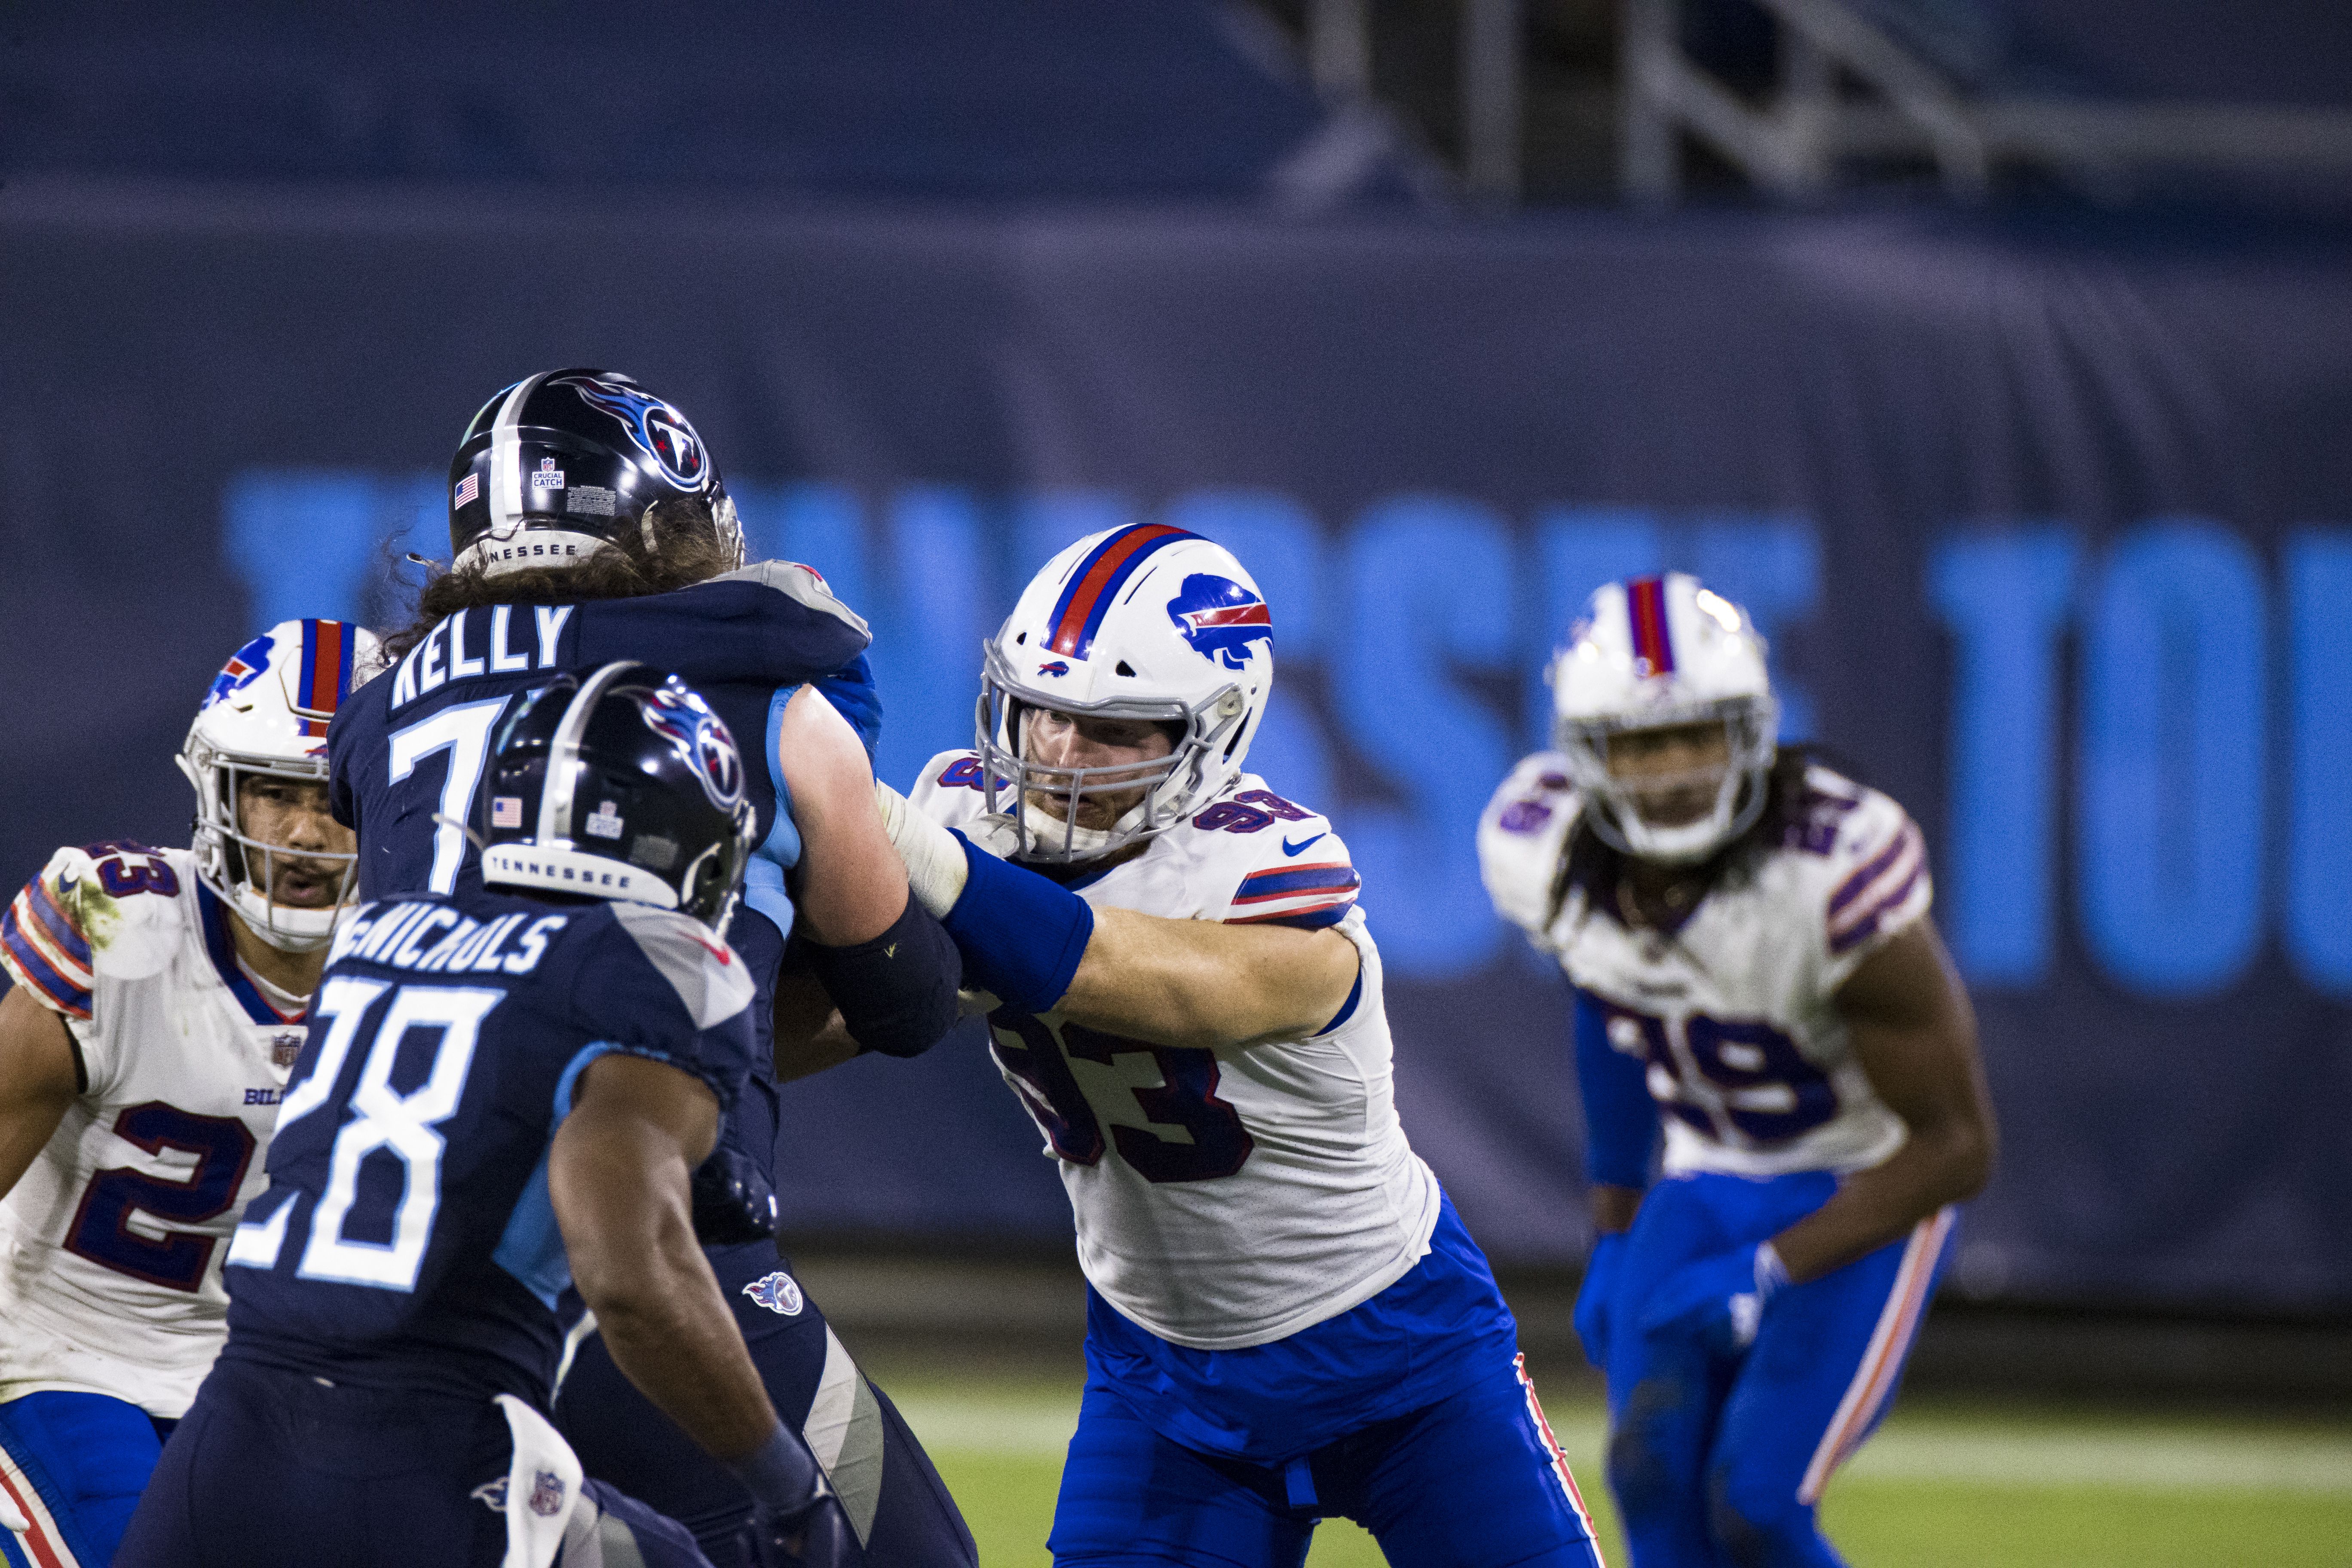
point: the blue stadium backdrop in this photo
(2050, 528)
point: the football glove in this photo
(1719, 1300)
(1592, 1297)
(797, 1519)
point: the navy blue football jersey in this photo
(406, 750)
(406, 1239)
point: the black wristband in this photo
(897, 993)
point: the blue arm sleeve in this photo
(854, 697)
(1620, 1119)
(1022, 935)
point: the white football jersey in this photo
(1229, 1198)
(1732, 1016)
(111, 1244)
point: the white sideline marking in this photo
(1928, 1450)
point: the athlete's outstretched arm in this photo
(39, 1077)
(1916, 1036)
(879, 955)
(617, 1176)
(1208, 985)
(1198, 984)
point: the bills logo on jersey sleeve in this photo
(1219, 618)
(683, 719)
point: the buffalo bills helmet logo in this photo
(778, 1293)
(243, 668)
(653, 425)
(1219, 618)
(681, 717)
(1053, 667)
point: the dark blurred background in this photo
(1997, 352)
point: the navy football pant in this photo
(73, 1465)
(1717, 1461)
(895, 1499)
(1475, 1480)
(273, 1469)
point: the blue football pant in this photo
(272, 1469)
(1719, 1461)
(1475, 1480)
(895, 1499)
(73, 1465)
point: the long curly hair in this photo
(686, 550)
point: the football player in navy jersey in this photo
(503, 1091)
(587, 523)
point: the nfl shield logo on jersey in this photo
(546, 1494)
(778, 1293)
(1219, 618)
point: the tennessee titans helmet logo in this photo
(653, 425)
(778, 1293)
(686, 722)
(244, 667)
(1219, 618)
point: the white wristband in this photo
(936, 868)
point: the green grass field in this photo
(1941, 1486)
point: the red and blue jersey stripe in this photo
(1095, 586)
(1645, 609)
(1318, 895)
(45, 949)
(324, 673)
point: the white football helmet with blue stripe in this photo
(1145, 622)
(1654, 653)
(266, 714)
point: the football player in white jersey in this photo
(1753, 963)
(1285, 1321)
(158, 1006)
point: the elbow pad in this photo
(897, 993)
(1620, 1119)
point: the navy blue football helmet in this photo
(567, 460)
(624, 786)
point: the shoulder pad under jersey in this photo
(804, 584)
(109, 909)
(1522, 837)
(1282, 861)
(1862, 863)
(948, 789)
(711, 981)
